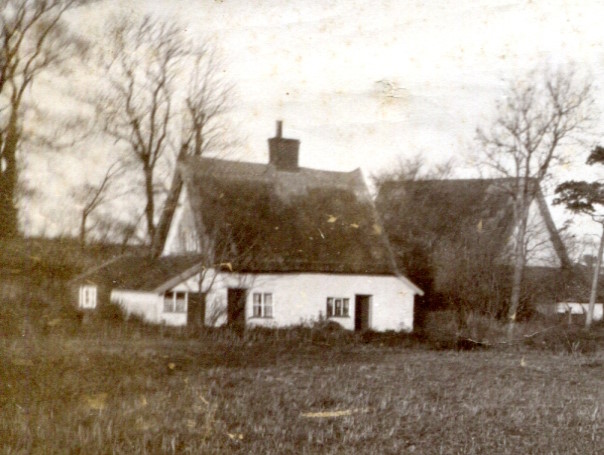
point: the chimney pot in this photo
(279, 128)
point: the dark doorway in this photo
(236, 306)
(361, 312)
(196, 311)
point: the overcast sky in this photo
(362, 83)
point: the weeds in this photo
(270, 393)
(109, 384)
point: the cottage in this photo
(268, 245)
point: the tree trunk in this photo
(594, 283)
(150, 205)
(83, 230)
(519, 263)
(8, 180)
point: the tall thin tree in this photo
(206, 101)
(587, 198)
(153, 108)
(535, 120)
(33, 39)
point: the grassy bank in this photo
(224, 393)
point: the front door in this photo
(236, 306)
(196, 310)
(361, 312)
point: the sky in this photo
(361, 83)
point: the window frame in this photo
(337, 307)
(263, 305)
(170, 306)
(88, 297)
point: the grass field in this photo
(167, 394)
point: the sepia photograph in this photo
(303, 227)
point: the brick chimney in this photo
(283, 153)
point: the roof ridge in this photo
(101, 266)
(201, 159)
(468, 179)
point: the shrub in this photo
(111, 312)
(446, 330)
(564, 338)
(482, 330)
(330, 333)
(390, 338)
(439, 330)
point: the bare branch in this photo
(32, 40)
(93, 196)
(165, 93)
(536, 121)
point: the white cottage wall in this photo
(302, 297)
(143, 304)
(149, 306)
(173, 319)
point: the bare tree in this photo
(92, 196)
(413, 168)
(206, 101)
(151, 109)
(536, 119)
(112, 230)
(33, 40)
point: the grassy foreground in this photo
(152, 394)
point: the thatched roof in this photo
(448, 208)
(141, 272)
(267, 219)
(262, 219)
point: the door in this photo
(236, 307)
(196, 310)
(361, 312)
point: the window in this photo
(180, 305)
(88, 297)
(175, 302)
(169, 302)
(338, 307)
(263, 305)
